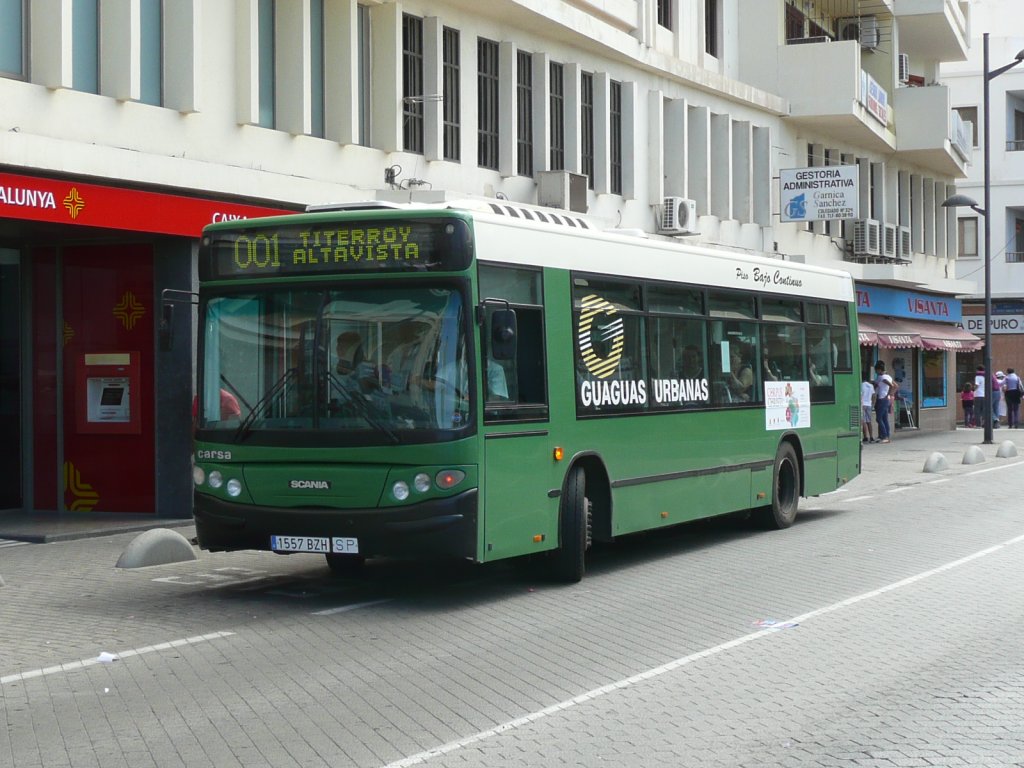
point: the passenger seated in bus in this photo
(497, 384)
(401, 360)
(816, 379)
(690, 367)
(357, 376)
(741, 375)
(770, 367)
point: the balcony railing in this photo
(1016, 145)
(1014, 257)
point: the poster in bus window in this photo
(787, 405)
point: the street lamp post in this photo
(964, 201)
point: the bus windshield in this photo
(354, 366)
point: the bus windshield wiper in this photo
(261, 405)
(361, 407)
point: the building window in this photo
(557, 108)
(412, 83)
(267, 54)
(452, 94)
(316, 49)
(587, 126)
(967, 237)
(151, 51)
(12, 38)
(970, 115)
(1017, 145)
(85, 63)
(524, 113)
(487, 103)
(711, 27)
(665, 13)
(794, 22)
(615, 140)
(365, 87)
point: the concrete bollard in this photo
(974, 455)
(156, 547)
(1007, 450)
(936, 463)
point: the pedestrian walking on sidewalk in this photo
(982, 410)
(867, 402)
(967, 398)
(1012, 394)
(884, 392)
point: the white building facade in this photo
(1004, 22)
(128, 124)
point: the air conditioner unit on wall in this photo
(562, 189)
(861, 28)
(904, 248)
(867, 237)
(678, 216)
(904, 68)
(889, 241)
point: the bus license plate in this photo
(347, 545)
(300, 544)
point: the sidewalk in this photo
(901, 461)
(43, 527)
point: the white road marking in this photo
(992, 469)
(900, 490)
(452, 746)
(11, 543)
(346, 608)
(74, 665)
(859, 498)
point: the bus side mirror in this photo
(503, 334)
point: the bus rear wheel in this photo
(567, 563)
(350, 566)
(785, 491)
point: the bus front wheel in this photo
(785, 491)
(574, 534)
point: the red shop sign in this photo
(94, 205)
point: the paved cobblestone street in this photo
(903, 589)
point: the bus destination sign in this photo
(336, 247)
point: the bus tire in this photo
(349, 566)
(574, 534)
(785, 491)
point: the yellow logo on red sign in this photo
(74, 203)
(128, 310)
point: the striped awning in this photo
(903, 333)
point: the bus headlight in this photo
(216, 479)
(421, 482)
(234, 487)
(449, 478)
(400, 490)
(198, 475)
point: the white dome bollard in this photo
(973, 455)
(1007, 450)
(936, 463)
(156, 547)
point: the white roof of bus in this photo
(501, 238)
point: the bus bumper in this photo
(446, 527)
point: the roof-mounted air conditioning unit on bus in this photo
(867, 236)
(864, 29)
(678, 216)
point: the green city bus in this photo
(489, 381)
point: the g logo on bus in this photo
(601, 355)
